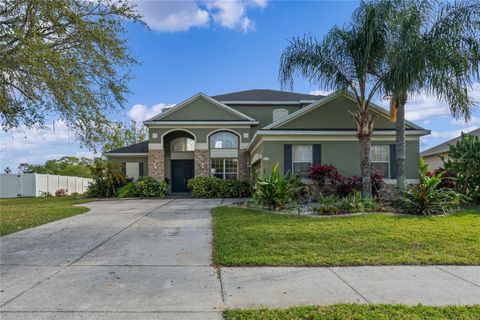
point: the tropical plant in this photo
(149, 187)
(354, 202)
(347, 186)
(463, 163)
(427, 198)
(275, 191)
(327, 205)
(107, 178)
(433, 47)
(347, 59)
(323, 174)
(448, 179)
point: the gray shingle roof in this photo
(265, 95)
(444, 147)
(141, 147)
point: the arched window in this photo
(223, 140)
(279, 114)
(182, 144)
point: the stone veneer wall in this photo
(244, 171)
(156, 164)
(202, 163)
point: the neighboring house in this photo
(232, 135)
(432, 155)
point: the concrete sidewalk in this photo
(284, 287)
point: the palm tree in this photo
(349, 59)
(434, 48)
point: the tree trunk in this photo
(401, 148)
(365, 165)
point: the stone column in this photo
(243, 170)
(202, 163)
(156, 164)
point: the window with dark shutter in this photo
(317, 154)
(140, 169)
(287, 158)
(393, 161)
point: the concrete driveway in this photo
(151, 259)
(136, 259)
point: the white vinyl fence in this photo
(36, 185)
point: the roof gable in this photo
(141, 148)
(332, 112)
(445, 146)
(200, 107)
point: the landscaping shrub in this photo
(60, 193)
(448, 180)
(327, 174)
(327, 205)
(346, 186)
(275, 190)
(323, 174)
(354, 202)
(127, 191)
(107, 179)
(428, 198)
(149, 187)
(213, 187)
(464, 165)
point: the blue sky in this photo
(217, 47)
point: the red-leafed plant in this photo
(61, 193)
(327, 174)
(323, 174)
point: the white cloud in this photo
(422, 106)
(450, 134)
(181, 15)
(232, 14)
(141, 112)
(474, 121)
(320, 92)
(172, 15)
(38, 145)
(23, 138)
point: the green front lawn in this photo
(248, 237)
(357, 311)
(22, 213)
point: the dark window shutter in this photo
(317, 154)
(140, 169)
(124, 167)
(287, 158)
(393, 161)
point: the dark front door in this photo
(182, 170)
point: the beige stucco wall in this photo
(433, 162)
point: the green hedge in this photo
(211, 187)
(144, 187)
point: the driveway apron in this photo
(132, 259)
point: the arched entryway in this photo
(179, 147)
